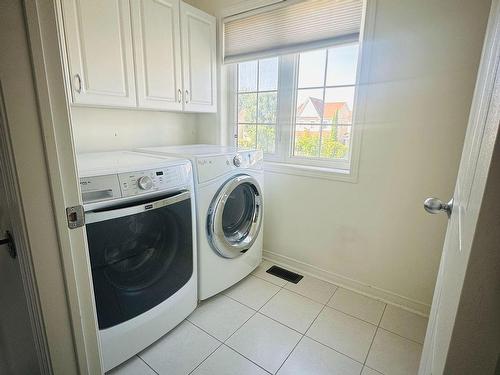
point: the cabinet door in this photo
(99, 45)
(156, 35)
(198, 59)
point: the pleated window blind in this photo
(290, 28)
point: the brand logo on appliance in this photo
(148, 206)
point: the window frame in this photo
(234, 118)
(335, 165)
(283, 161)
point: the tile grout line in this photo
(260, 308)
(208, 333)
(335, 350)
(255, 313)
(370, 348)
(280, 323)
(304, 334)
(201, 329)
(289, 354)
(309, 298)
(373, 338)
(377, 371)
(231, 335)
(248, 359)
(352, 316)
(228, 296)
(395, 333)
(401, 336)
(283, 324)
(301, 337)
(378, 327)
(208, 356)
(237, 329)
(259, 277)
(382, 316)
(147, 364)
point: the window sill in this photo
(310, 171)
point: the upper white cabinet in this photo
(100, 56)
(155, 54)
(199, 59)
(157, 44)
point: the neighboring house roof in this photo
(332, 108)
(329, 108)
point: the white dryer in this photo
(228, 185)
(141, 232)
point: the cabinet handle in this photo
(187, 96)
(78, 80)
(179, 95)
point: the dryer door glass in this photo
(238, 212)
(140, 259)
(235, 216)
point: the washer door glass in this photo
(235, 216)
(139, 260)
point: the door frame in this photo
(66, 328)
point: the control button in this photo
(145, 183)
(237, 160)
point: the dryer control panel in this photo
(210, 167)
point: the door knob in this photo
(435, 206)
(9, 241)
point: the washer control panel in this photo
(114, 186)
(141, 182)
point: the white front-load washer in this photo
(229, 203)
(141, 232)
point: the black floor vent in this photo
(285, 274)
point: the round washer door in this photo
(235, 216)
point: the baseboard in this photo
(380, 294)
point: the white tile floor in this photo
(264, 325)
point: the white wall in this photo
(103, 129)
(374, 235)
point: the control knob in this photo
(145, 183)
(237, 160)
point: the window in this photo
(257, 104)
(299, 108)
(325, 102)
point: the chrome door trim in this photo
(227, 247)
(110, 213)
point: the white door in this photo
(198, 59)
(157, 47)
(99, 45)
(456, 266)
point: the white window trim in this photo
(283, 161)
